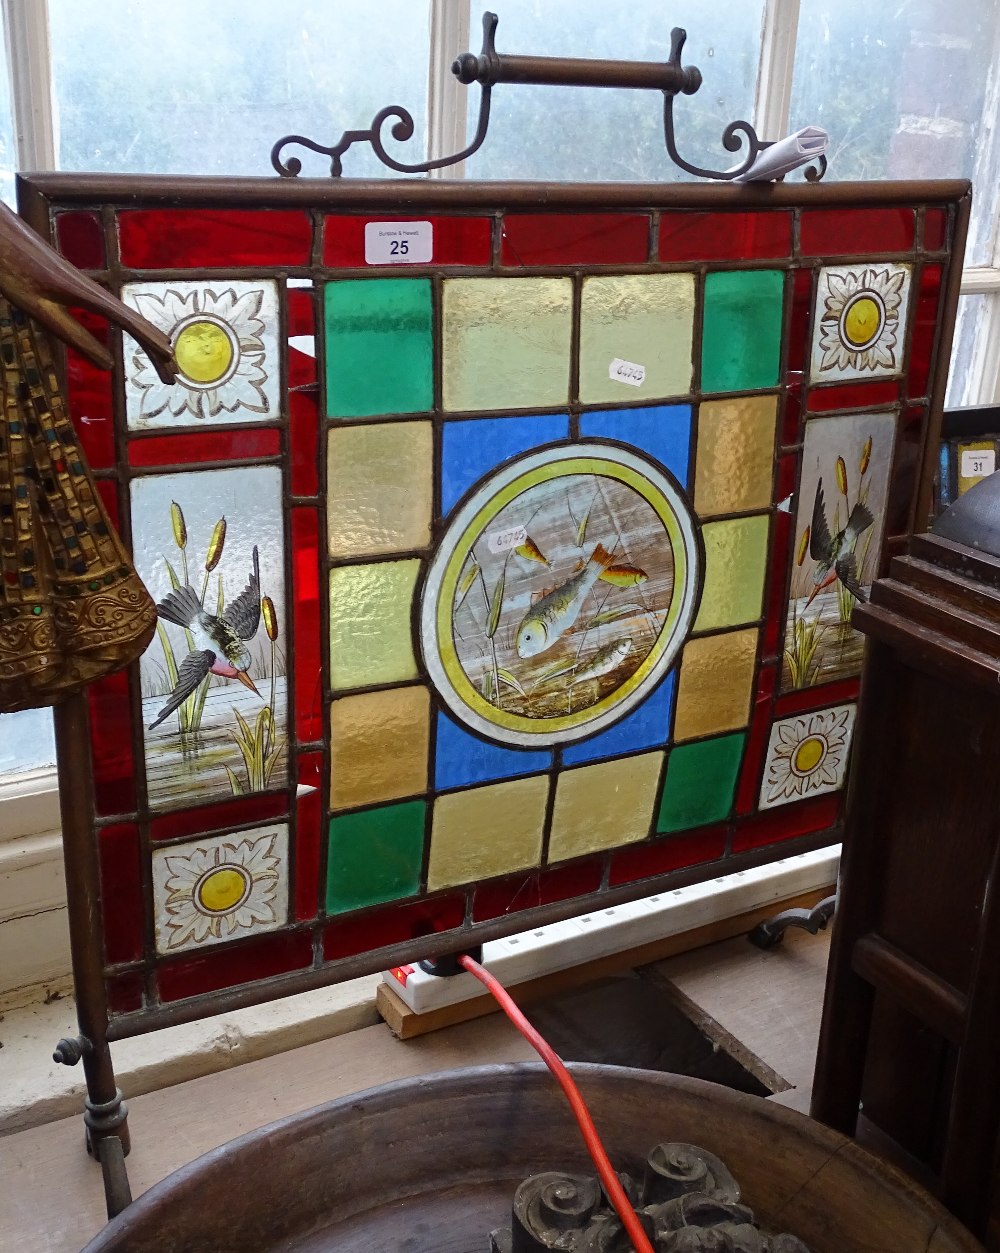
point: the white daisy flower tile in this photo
(220, 888)
(225, 338)
(859, 330)
(807, 755)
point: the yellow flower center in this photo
(808, 755)
(862, 321)
(204, 352)
(223, 889)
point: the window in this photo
(908, 91)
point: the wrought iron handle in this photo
(489, 68)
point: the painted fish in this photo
(623, 576)
(555, 613)
(530, 551)
(603, 661)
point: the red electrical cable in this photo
(611, 1182)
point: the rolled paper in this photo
(778, 159)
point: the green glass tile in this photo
(735, 564)
(375, 856)
(700, 782)
(378, 347)
(741, 338)
(371, 640)
(505, 342)
(644, 319)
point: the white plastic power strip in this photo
(563, 944)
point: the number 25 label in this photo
(399, 243)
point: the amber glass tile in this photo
(715, 686)
(741, 339)
(378, 746)
(379, 357)
(379, 488)
(487, 831)
(506, 342)
(604, 805)
(644, 319)
(735, 455)
(370, 637)
(735, 562)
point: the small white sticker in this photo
(626, 372)
(504, 541)
(398, 243)
(978, 462)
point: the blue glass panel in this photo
(461, 758)
(645, 727)
(662, 432)
(473, 448)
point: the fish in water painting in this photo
(549, 639)
(213, 679)
(839, 526)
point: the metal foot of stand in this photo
(771, 932)
(108, 1142)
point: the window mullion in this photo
(447, 99)
(772, 102)
(29, 64)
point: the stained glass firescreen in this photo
(505, 546)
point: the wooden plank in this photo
(406, 1024)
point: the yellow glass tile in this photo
(716, 684)
(735, 455)
(642, 319)
(735, 564)
(505, 342)
(604, 805)
(371, 641)
(378, 746)
(379, 484)
(487, 831)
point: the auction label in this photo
(399, 243)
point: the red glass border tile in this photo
(121, 892)
(306, 625)
(792, 414)
(935, 229)
(924, 333)
(80, 239)
(508, 896)
(837, 232)
(261, 807)
(190, 238)
(797, 340)
(394, 925)
(643, 861)
(111, 745)
(197, 447)
(785, 477)
(304, 426)
(906, 460)
(244, 963)
(755, 235)
(124, 993)
(865, 395)
(88, 400)
(818, 697)
(574, 238)
(456, 240)
(785, 822)
(760, 729)
(308, 835)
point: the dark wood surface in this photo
(912, 1013)
(430, 1166)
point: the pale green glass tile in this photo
(643, 319)
(370, 615)
(735, 562)
(505, 342)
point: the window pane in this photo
(906, 91)
(26, 741)
(599, 135)
(970, 328)
(196, 88)
(8, 160)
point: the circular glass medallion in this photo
(206, 349)
(222, 889)
(560, 594)
(862, 320)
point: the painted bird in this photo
(834, 554)
(220, 646)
